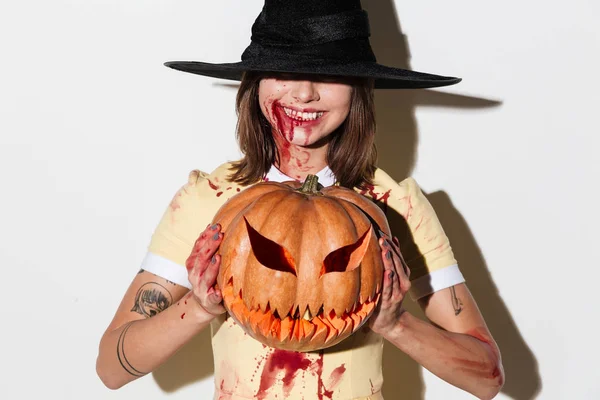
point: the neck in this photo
(298, 161)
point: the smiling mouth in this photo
(295, 331)
(302, 116)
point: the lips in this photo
(303, 117)
(300, 115)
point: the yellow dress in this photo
(351, 370)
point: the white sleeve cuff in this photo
(435, 281)
(167, 269)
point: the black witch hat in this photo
(322, 37)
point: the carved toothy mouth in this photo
(322, 328)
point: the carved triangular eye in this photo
(348, 257)
(269, 253)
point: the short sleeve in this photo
(177, 231)
(425, 247)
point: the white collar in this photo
(326, 177)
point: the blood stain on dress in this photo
(259, 361)
(334, 379)
(224, 394)
(377, 197)
(336, 376)
(175, 203)
(288, 362)
(212, 185)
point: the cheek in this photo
(269, 90)
(340, 96)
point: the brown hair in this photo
(351, 153)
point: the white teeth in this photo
(302, 116)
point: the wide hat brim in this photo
(385, 77)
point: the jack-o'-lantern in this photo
(301, 266)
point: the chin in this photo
(310, 139)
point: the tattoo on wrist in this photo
(456, 303)
(151, 299)
(121, 353)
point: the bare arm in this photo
(157, 317)
(456, 346)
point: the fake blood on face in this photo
(286, 125)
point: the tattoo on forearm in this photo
(151, 299)
(121, 353)
(456, 303)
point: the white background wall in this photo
(96, 135)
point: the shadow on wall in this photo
(397, 144)
(397, 140)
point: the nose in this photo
(304, 91)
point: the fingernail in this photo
(213, 260)
(216, 236)
(212, 228)
(388, 255)
(391, 274)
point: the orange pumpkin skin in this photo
(300, 270)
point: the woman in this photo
(305, 106)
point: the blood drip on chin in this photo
(284, 133)
(286, 125)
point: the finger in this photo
(388, 273)
(209, 250)
(402, 267)
(199, 248)
(208, 279)
(393, 279)
(397, 276)
(401, 282)
(386, 293)
(215, 296)
(396, 246)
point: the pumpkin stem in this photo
(311, 185)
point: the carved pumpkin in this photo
(301, 267)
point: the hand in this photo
(203, 268)
(396, 284)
